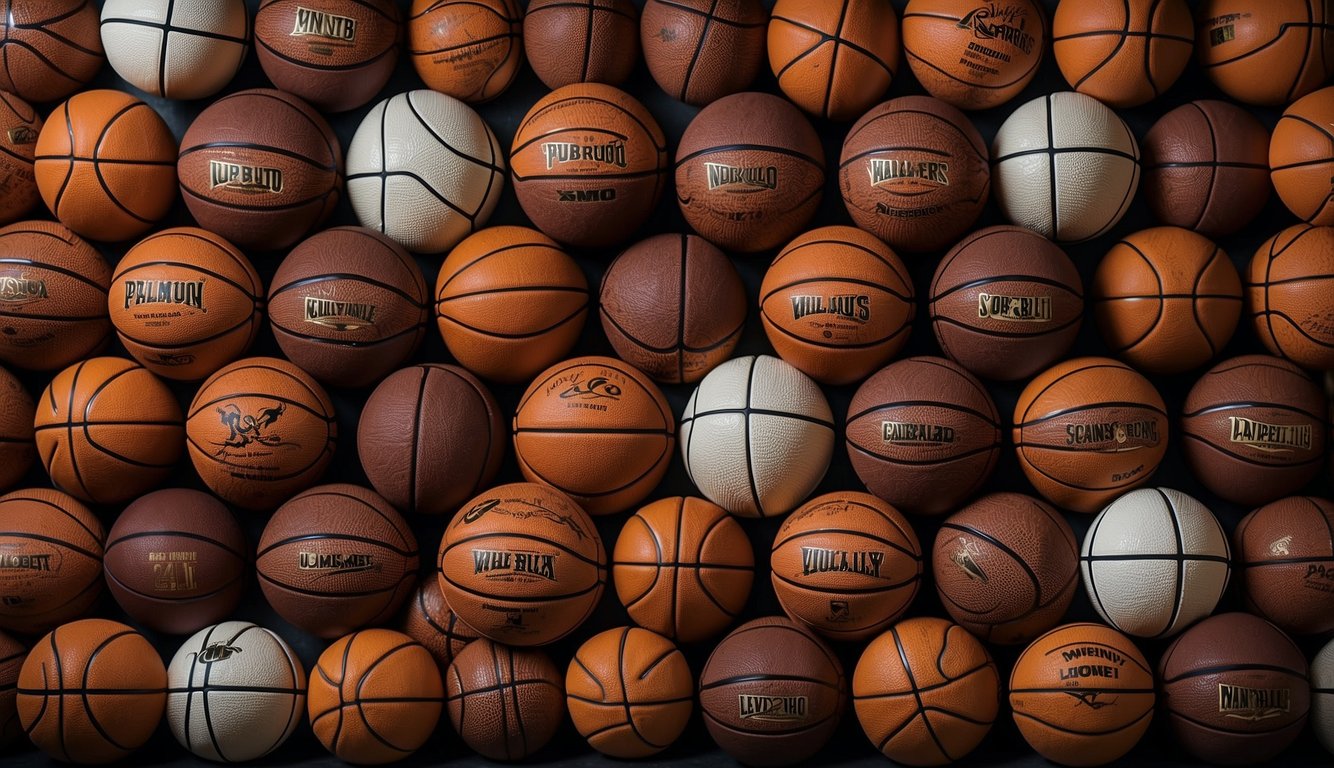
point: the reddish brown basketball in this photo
(19, 126)
(1300, 157)
(336, 558)
(1270, 54)
(108, 430)
(834, 59)
(17, 449)
(429, 620)
(673, 306)
(176, 561)
(1123, 54)
(971, 56)
(12, 654)
(468, 49)
(1235, 690)
(42, 526)
(506, 703)
(589, 41)
(772, 693)
(259, 431)
(51, 48)
(261, 168)
(699, 51)
(1286, 553)
(1287, 295)
(750, 172)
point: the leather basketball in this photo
(699, 51)
(53, 47)
(575, 43)
(62, 541)
(1287, 290)
(1285, 555)
(20, 125)
(833, 59)
(513, 726)
(335, 54)
(1123, 54)
(970, 55)
(1269, 54)
(469, 50)
(17, 449)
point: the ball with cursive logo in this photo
(1122, 53)
(186, 49)
(468, 49)
(974, 55)
(52, 48)
(699, 51)
(335, 54)
(1270, 53)
(19, 126)
(516, 724)
(17, 449)
(592, 41)
(1285, 552)
(50, 559)
(834, 59)
(1288, 286)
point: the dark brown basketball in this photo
(17, 449)
(701, 50)
(12, 654)
(55, 531)
(50, 48)
(506, 703)
(1285, 550)
(19, 126)
(583, 41)
(429, 620)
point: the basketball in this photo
(12, 654)
(1322, 696)
(55, 544)
(699, 51)
(108, 430)
(837, 304)
(429, 620)
(673, 306)
(187, 49)
(1254, 429)
(1300, 157)
(1206, 167)
(926, 692)
(259, 431)
(20, 125)
(593, 42)
(1087, 430)
(177, 561)
(757, 436)
(510, 302)
(467, 49)
(185, 302)
(1006, 567)
(1122, 54)
(52, 48)
(374, 697)
(834, 60)
(425, 169)
(923, 434)
(589, 164)
(1270, 54)
(846, 565)
(1047, 143)
(336, 558)
(594, 407)
(334, 54)
(974, 57)
(750, 171)
(1235, 690)
(1154, 562)
(772, 693)
(1285, 551)
(261, 168)
(105, 165)
(518, 689)
(683, 568)
(1082, 695)
(629, 692)
(17, 448)
(1287, 295)
(236, 691)
(914, 173)
(53, 297)
(522, 564)
(457, 438)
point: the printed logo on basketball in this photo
(171, 359)
(245, 179)
(22, 134)
(610, 153)
(586, 195)
(1223, 29)
(1085, 661)
(1269, 438)
(514, 565)
(220, 650)
(246, 430)
(1319, 324)
(479, 509)
(965, 556)
(741, 178)
(182, 293)
(336, 563)
(1319, 577)
(25, 562)
(905, 433)
(1092, 699)
(908, 177)
(772, 709)
(840, 612)
(1113, 436)
(1015, 309)
(524, 510)
(16, 289)
(596, 388)
(1253, 704)
(1000, 22)
(850, 306)
(342, 316)
(1281, 547)
(174, 571)
(821, 560)
(327, 26)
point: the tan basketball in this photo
(468, 49)
(19, 126)
(1123, 54)
(54, 531)
(17, 449)
(184, 49)
(972, 55)
(834, 59)
(1288, 286)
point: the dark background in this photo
(849, 746)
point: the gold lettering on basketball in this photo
(174, 571)
(1270, 438)
(771, 709)
(313, 23)
(902, 432)
(514, 564)
(1253, 704)
(1016, 309)
(741, 178)
(821, 560)
(886, 170)
(246, 179)
(16, 562)
(187, 293)
(21, 290)
(1113, 436)
(848, 306)
(336, 562)
(560, 152)
(22, 134)
(339, 315)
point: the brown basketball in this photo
(923, 434)
(105, 165)
(19, 126)
(1082, 695)
(51, 48)
(699, 51)
(1287, 295)
(509, 302)
(589, 163)
(335, 54)
(17, 449)
(1254, 429)
(926, 692)
(629, 692)
(259, 431)
(430, 437)
(506, 703)
(590, 41)
(1270, 54)
(1301, 158)
(374, 697)
(108, 430)
(673, 306)
(591, 407)
(1235, 690)
(1123, 54)
(1286, 553)
(971, 56)
(914, 173)
(52, 529)
(834, 59)
(1206, 167)
(12, 654)
(176, 561)
(837, 304)
(522, 564)
(185, 302)
(336, 558)
(772, 693)
(429, 620)
(750, 172)
(468, 49)
(261, 168)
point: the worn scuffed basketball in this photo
(518, 689)
(1123, 54)
(186, 49)
(833, 59)
(52, 48)
(468, 49)
(1285, 552)
(20, 125)
(1287, 295)
(699, 51)
(1268, 54)
(45, 526)
(594, 41)
(974, 56)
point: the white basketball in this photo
(1065, 166)
(1154, 562)
(425, 169)
(1322, 696)
(180, 49)
(236, 691)
(757, 436)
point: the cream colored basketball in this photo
(236, 691)
(1065, 166)
(1322, 696)
(424, 169)
(180, 49)
(757, 436)
(1154, 562)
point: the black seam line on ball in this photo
(44, 27)
(886, 588)
(167, 27)
(513, 289)
(665, 655)
(907, 298)
(212, 688)
(443, 143)
(1090, 407)
(719, 19)
(64, 424)
(927, 462)
(354, 344)
(825, 37)
(1265, 283)
(1302, 164)
(1288, 561)
(1124, 33)
(517, 148)
(493, 688)
(648, 132)
(1073, 691)
(766, 677)
(487, 255)
(347, 276)
(1051, 151)
(478, 41)
(1072, 731)
(528, 537)
(903, 278)
(833, 58)
(58, 270)
(686, 566)
(760, 412)
(1216, 296)
(1229, 406)
(587, 177)
(893, 148)
(917, 696)
(51, 540)
(586, 5)
(333, 167)
(860, 534)
(925, 688)
(1042, 331)
(89, 691)
(322, 65)
(1233, 668)
(749, 148)
(648, 703)
(527, 335)
(445, 3)
(1190, 558)
(279, 398)
(338, 593)
(384, 175)
(179, 601)
(302, 203)
(1004, 279)
(1062, 449)
(1002, 546)
(1214, 164)
(248, 292)
(56, 318)
(1295, 326)
(992, 420)
(775, 327)
(336, 537)
(105, 161)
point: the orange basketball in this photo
(429, 620)
(974, 55)
(468, 49)
(19, 126)
(834, 59)
(17, 449)
(1123, 53)
(1266, 53)
(108, 430)
(106, 165)
(185, 302)
(52, 549)
(1288, 286)
(1301, 157)
(51, 48)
